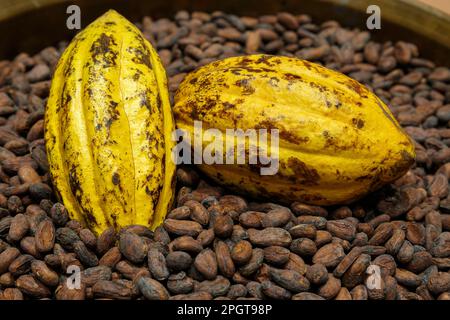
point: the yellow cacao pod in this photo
(337, 140)
(108, 125)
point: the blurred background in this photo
(443, 5)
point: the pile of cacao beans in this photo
(216, 245)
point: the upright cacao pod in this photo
(337, 140)
(108, 126)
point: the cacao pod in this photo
(108, 126)
(337, 140)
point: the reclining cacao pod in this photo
(108, 126)
(337, 140)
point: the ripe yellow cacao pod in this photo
(108, 126)
(337, 140)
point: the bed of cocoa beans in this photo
(216, 245)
